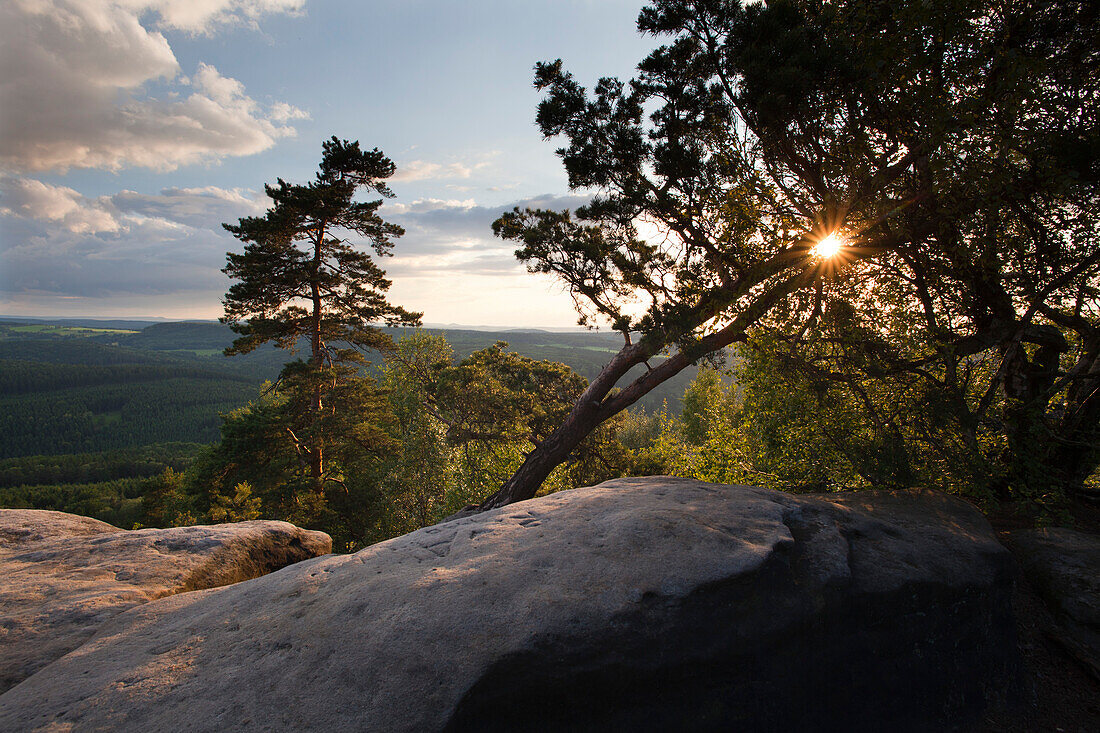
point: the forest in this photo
(130, 434)
(106, 422)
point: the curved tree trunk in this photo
(1077, 454)
(595, 406)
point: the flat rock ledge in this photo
(648, 604)
(64, 576)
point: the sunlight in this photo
(828, 247)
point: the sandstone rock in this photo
(64, 576)
(649, 604)
(22, 527)
(1064, 566)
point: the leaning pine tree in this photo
(301, 279)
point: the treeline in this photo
(75, 351)
(118, 502)
(143, 462)
(430, 428)
(119, 415)
(75, 394)
(432, 434)
(111, 486)
(436, 433)
(20, 377)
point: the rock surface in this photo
(63, 576)
(651, 604)
(1064, 566)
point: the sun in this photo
(828, 246)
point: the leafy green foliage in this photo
(329, 294)
(143, 462)
(469, 424)
(242, 506)
(117, 487)
(117, 415)
(118, 501)
(418, 478)
(265, 446)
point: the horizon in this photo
(133, 131)
(155, 320)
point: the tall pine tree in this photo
(301, 278)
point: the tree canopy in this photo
(329, 292)
(951, 146)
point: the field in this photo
(15, 330)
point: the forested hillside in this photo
(92, 413)
(66, 389)
(108, 485)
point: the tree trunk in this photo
(538, 464)
(316, 360)
(595, 406)
(1077, 452)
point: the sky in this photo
(131, 129)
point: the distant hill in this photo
(74, 386)
(134, 324)
(175, 336)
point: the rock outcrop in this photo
(651, 604)
(1064, 566)
(63, 576)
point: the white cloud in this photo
(58, 205)
(161, 254)
(58, 242)
(206, 207)
(420, 170)
(423, 206)
(79, 82)
(202, 16)
(451, 235)
(283, 112)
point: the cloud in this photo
(435, 224)
(80, 77)
(57, 242)
(166, 250)
(425, 206)
(420, 170)
(142, 257)
(456, 235)
(283, 112)
(205, 207)
(59, 205)
(201, 17)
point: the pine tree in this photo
(301, 278)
